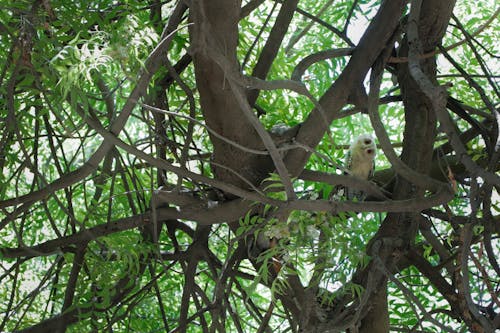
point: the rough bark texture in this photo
(376, 320)
(222, 112)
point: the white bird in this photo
(360, 162)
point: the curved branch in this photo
(400, 167)
(373, 42)
(305, 63)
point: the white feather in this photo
(361, 155)
(360, 162)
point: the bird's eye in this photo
(368, 141)
(369, 151)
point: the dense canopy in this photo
(180, 166)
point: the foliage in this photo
(134, 196)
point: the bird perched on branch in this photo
(359, 163)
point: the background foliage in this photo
(109, 179)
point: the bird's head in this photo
(366, 145)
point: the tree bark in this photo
(419, 137)
(218, 20)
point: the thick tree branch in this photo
(367, 51)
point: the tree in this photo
(172, 166)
